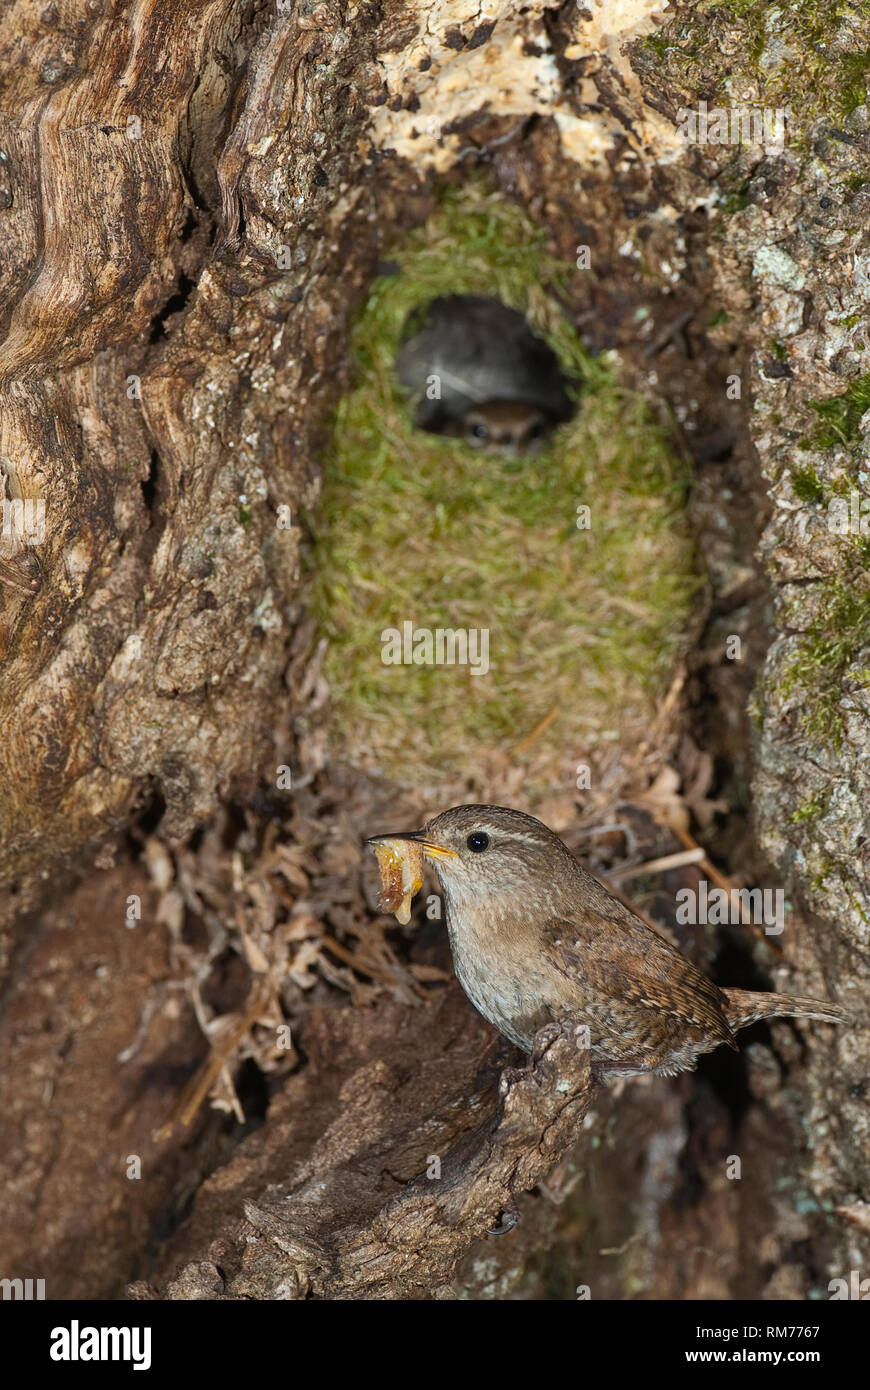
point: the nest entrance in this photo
(475, 370)
(572, 563)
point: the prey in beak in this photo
(430, 849)
(400, 860)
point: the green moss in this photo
(806, 486)
(826, 654)
(839, 415)
(853, 79)
(811, 809)
(828, 872)
(823, 73)
(732, 202)
(805, 56)
(657, 43)
(841, 486)
(827, 869)
(854, 891)
(416, 527)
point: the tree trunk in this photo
(193, 201)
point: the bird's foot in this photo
(543, 1041)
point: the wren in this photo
(536, 939)
(511, 427)
(475, 370)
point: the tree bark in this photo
(193, 199)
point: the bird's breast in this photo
(498, 968)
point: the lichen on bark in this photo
(194, 201)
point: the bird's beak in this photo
(430, 849)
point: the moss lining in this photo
(415, 527)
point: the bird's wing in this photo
(618, 957)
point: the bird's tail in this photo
(744, 1006)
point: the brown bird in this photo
(511, 427)
(535, 939)
(476, 370)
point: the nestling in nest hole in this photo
(418, 527)
(476, 371)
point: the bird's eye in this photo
(480, 432)
(478, 841)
